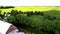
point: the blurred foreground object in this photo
(7, 28)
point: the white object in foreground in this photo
(4, 27)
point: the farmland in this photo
(31, 8)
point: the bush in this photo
(11, 19)
(21, 18)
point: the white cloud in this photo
(29, 2)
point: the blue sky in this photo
(29, 2)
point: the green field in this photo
(47, 22)
(31, 8)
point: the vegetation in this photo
(47, 22)
(2, 7)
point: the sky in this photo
(29, 2)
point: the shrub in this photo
(11, 19)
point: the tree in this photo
(21, 20)
(20, 12)
(0, 13)
(14, 12)
(28, 14)
(51, 17)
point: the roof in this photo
(4, 26)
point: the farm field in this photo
(31, 8)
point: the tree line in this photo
(6, 7)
